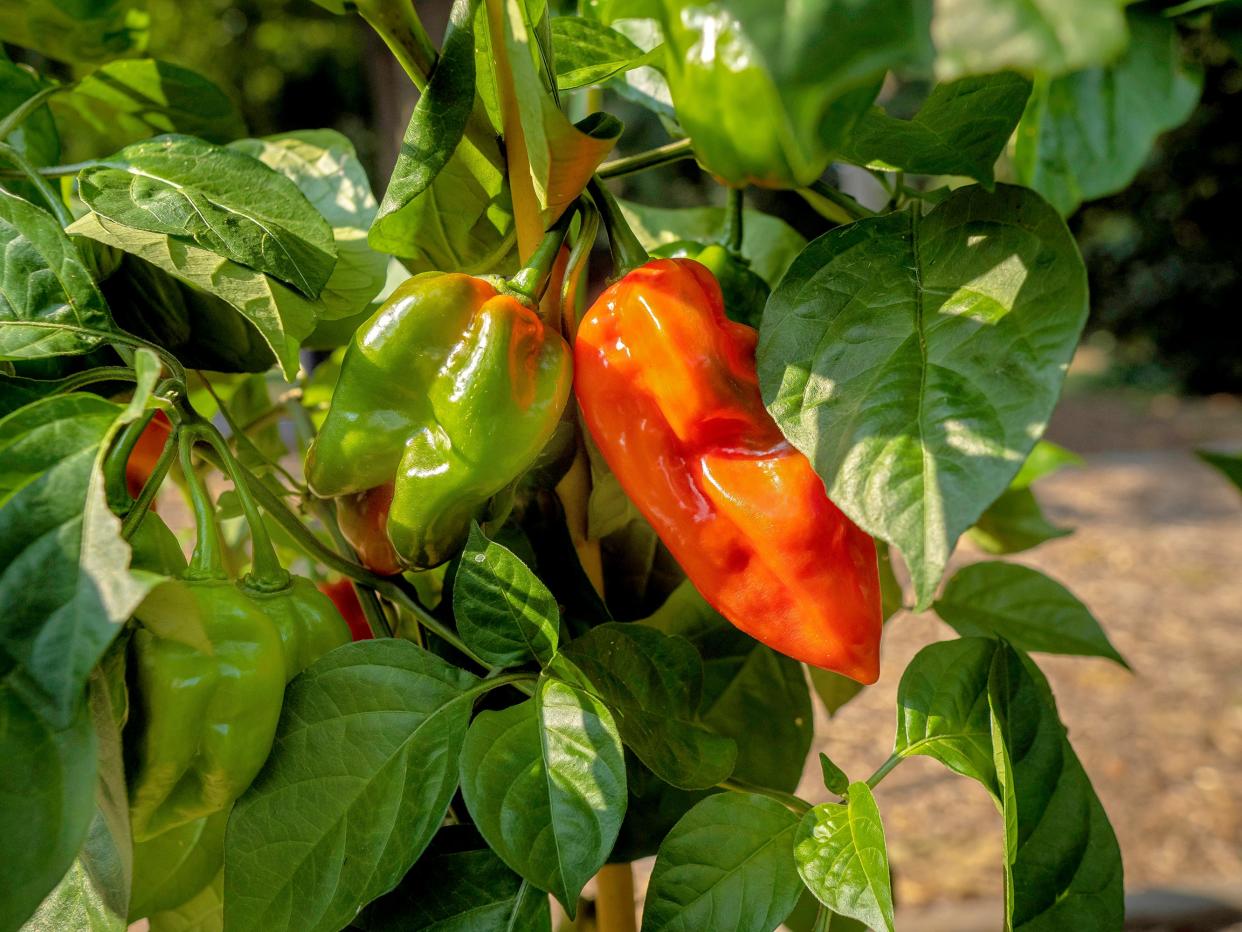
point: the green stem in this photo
(884, 769)
(841, 199)
(495, 682)
(532, 280)
(19, 114)
(207, 561)
(398, 24)
(788, 800)
(576, 266)
(45, 190)
(652, 158)
(731, 235)
(116, 487)
(138, 510)
(266, 573)
(58, 171)
(627, 252)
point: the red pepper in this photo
(668, 388)
(345, 598)
(146, 453)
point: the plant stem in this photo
(614, 898)
(19, 114)
(627, 252)
(841, 199)
(206, 562)
(532, 279)
(652, 158)
(55, 171)
(398, 24)
(787, 800)
(57, 206)
(731, 235)
(885, 768)
(141, 504)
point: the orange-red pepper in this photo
(668, 388)
(146, 453)
(345, 598)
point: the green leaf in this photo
(48, 775)
(1045, 459)
(65, 589)
(94, 895)
(653, 685)
(1025, 607)
(1031, 36)
(1228, 464)
(324, 166)
(751, 694)
(459, 885)
(36, 138)
(878, 359)
(730, 856)
(361, 774)
(1013, 523)
(217, 199)
(843, 859)
(504, 612)
(985, 711)
(588, 52)
(961, 129)
(128, 100)
(282, 317)
(834, 777)
(1087, 134)
(49, 303)
(562, 155)
(768, 242)
(76, 31)
(170, 868)
(544, 781)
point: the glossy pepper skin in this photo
(667, 386)
(448, 393)
(770, 116)
(744, 291)
(146, 452)
(172, 867)
(345, 598)
(209, 676)
(307, 621)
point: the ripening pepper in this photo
(146, 452)
(667, 386)
(761, 99)
(447, 394)
(744, 291)
(345, 598)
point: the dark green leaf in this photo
(459, 885)
(730, 858)
(504, 612)
(217, 199)
(653, 685)
(128, 100)
(985, 711)
(1013, 523)
(435, 130)
(199, 328)
(65, 589)
(843, 858)
(361, 774)
(878, 358)
(1023, 606)
(36, 138)
(961, 129)
(1087, 134)
(768, 242)
(1228, 464)
(834, 777)
(46, 806)
(1048, 36)
(49, 303)
(94, 895)
(76, 30)
(751, 694)
(544, 781)
(324, 166)
(588, 52)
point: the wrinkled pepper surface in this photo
(668, 388)
(447, 395)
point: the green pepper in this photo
(446, 395)
(171, 868)
(308, 623)
(762, 100)
(744, 291)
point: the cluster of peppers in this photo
(207, 666)
(450, 391)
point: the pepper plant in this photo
(598, 553)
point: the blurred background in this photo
(1157, 545)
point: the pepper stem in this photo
(731, 234)
(532, 279)
(627, 252)
(207, 561)
(266, 574)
